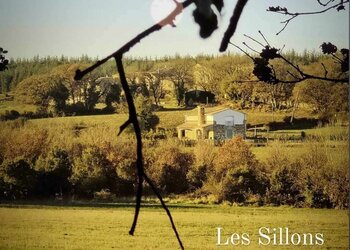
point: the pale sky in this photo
(99, 27)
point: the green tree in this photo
(148, 120)
(41, 89)
(155, 81)
(315, 93)
(203, 76)
(180, 73)
(3, 61)
(59, 93)
(109, 91)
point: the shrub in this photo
(234, 153)
(315, 173)
(286, 187)
(24, 143)
(236, 174)
(123, 158)
(170, 167)
(10, 115)
(240, 182)
(92, 172)
(205, 155)
(19, 179)
(54, 172)
(337, 188)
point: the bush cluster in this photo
(36, 163)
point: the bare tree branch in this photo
(242, 50)
(245, 44)
(265, 72)
(237, 12)
(325, 70)
(284, 11)
(325, 4)
(251, 38)
(133, 119)
(117, 55)
(150, 183)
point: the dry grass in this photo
(107, 228)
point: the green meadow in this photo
(106, 227)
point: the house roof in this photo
(193, 125)
(207, 110)
(212, 110)
(218, 111)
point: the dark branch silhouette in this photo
(264, 71)
(284, 11)
(233, 24)
(325, 4)
(132, 120)
(118, 55)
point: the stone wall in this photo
(239, 129)
(219, 132)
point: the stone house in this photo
(217, 125)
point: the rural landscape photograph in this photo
(174, 124)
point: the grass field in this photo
(45, 227)
(12, 105)
(168, 119)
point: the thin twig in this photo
(286, 22)
(324, 4)
(290, 73)
(325, 70)
(305, 76)
(339, 60)
(264, 38)
(310, 12)
(242, 51)
(251, 38)
(296, 14)
(280, 50)
(250, 47)
(296, 67)
(150, 183)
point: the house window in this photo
(183, 133)
(229, 121)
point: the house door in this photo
(229, 132)
(199, 134)
(229, 123)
